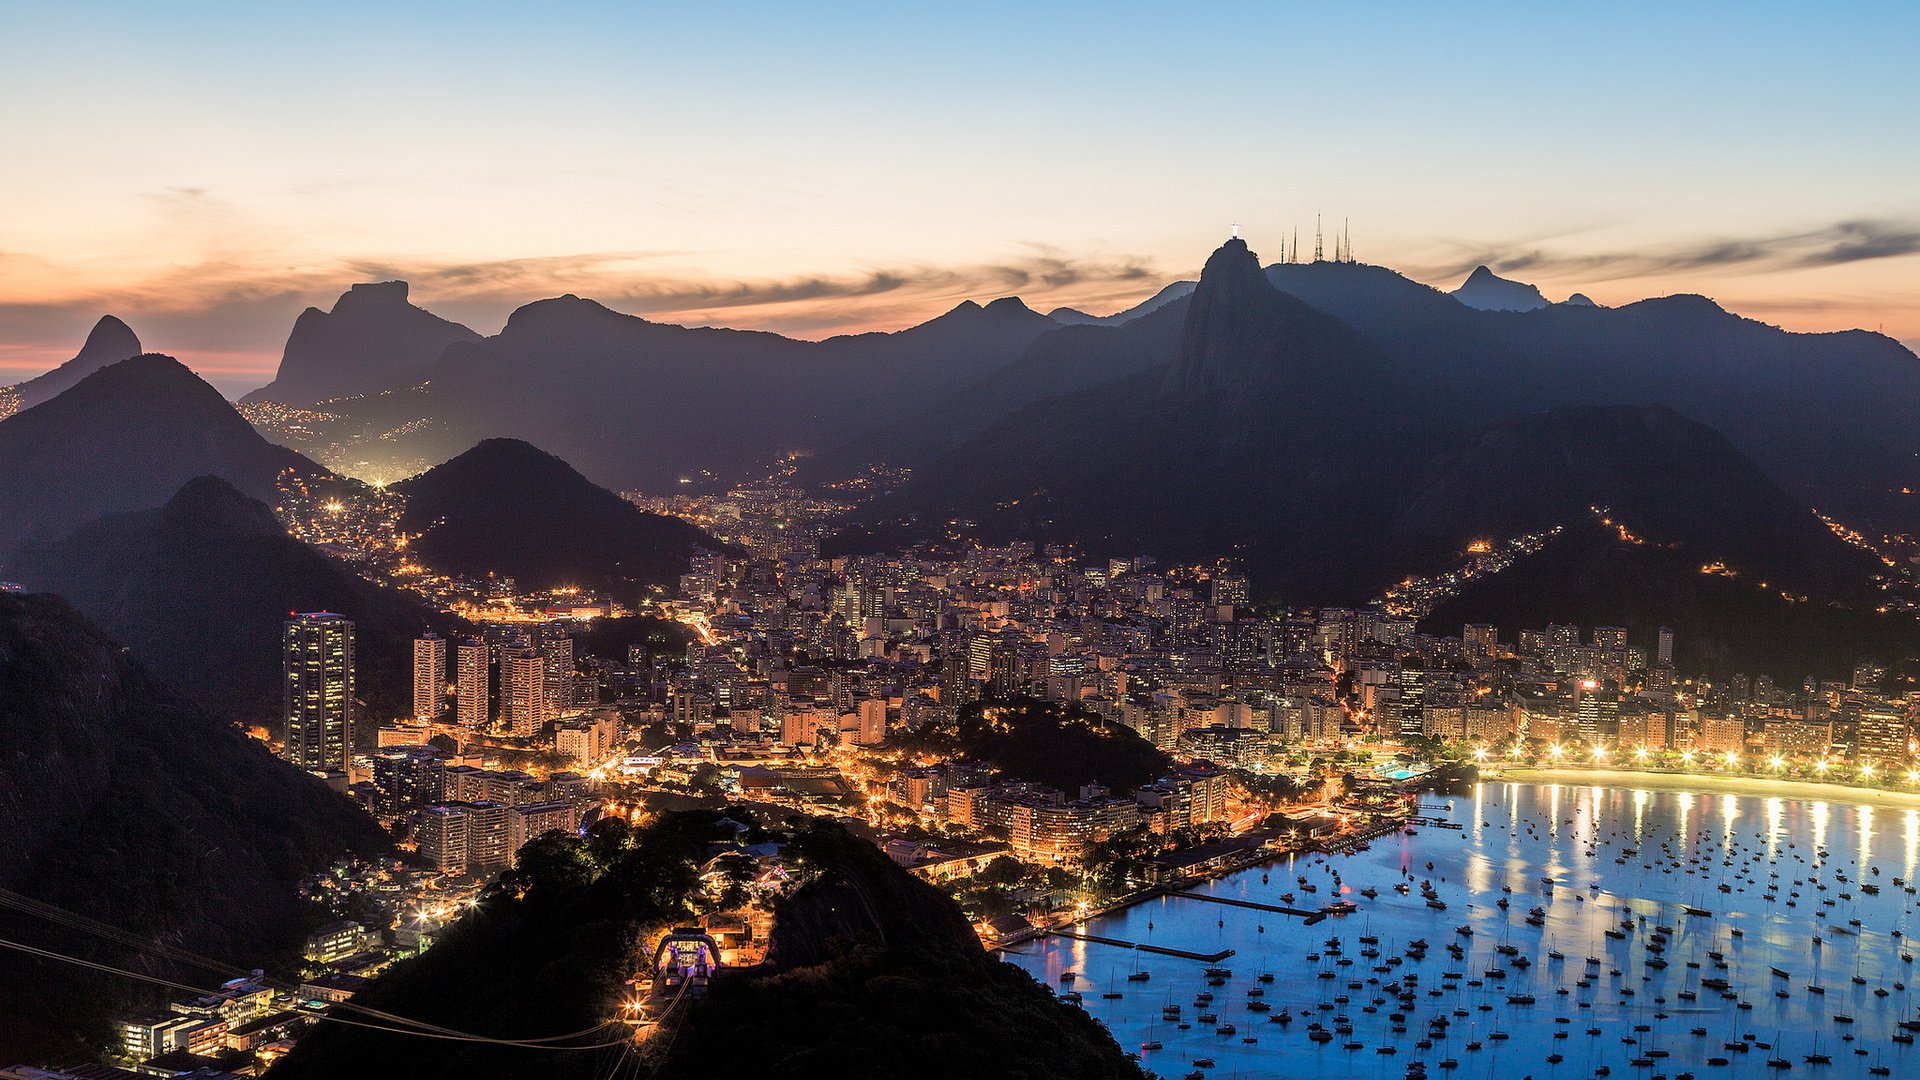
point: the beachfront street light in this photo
(1515, 752)
(1599, 753)
(1555, 751)
(1479, 753)
(1732, 759)
(1913, 776)
(1866, 772)
(1640, 754)
(1776, 761)
(1686, 757)
(1820, 766)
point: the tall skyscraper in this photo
(318, 690)
(556, 657)
(429, 676)
(470, 694)
(1663, 649)
(523, 694)
(1413, 701)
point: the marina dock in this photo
(1310, 917)
(1211, 958)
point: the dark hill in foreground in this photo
(198, 590)
(871, 972)
(873, 966)
(121, 801)
(508, 508)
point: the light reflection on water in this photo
(1513, 835)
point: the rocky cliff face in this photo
(372, 339)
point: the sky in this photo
(207, 170)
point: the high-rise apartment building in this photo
(470, 693)
(523, 691)
(556, 657)
(318, 690)
(429, 676)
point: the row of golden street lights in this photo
(1730, 759)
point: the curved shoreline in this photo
(1756, 786)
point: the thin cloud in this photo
(1040, 274)
(1855, 240)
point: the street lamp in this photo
(1686, 757)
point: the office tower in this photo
(429, 676)
(1413, 702)
(470, 693)
(1883, 737)
(523, 693)
(318, 698)
(556, 657)
(1597, 713)
(1663, 651)
(980, 657)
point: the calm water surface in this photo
(1650, 854)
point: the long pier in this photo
(1211, 958)
(1309, 917)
